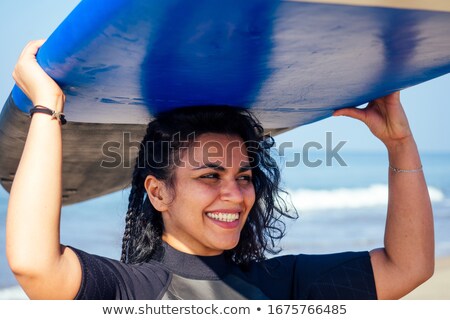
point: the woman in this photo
(204, 211)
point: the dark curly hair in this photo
(177, 129)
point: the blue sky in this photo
(427, 104)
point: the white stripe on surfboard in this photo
(433, 5)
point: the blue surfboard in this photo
(121, 62)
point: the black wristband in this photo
(55, 115)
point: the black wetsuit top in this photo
(176, 275)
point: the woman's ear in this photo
(157, 193)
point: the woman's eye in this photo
(210, 176)
(245, 178)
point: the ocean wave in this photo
(348, 198)
(12, 293)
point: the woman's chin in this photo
(228, 244)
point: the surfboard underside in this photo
(121, 62)
(98, 158)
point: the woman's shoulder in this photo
(317, 264)
(312, 276)
(107, 278)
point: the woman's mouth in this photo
(223, 216)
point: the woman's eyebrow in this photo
(245, 167)
(218, 166)
(210, 165)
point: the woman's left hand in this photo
(385, 117)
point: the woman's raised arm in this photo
(44, 268)
(407, 259)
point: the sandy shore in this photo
(438, 287)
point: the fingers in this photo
(392, 97)
(381, 105)
(31, 48)
(35, 83)
(354, 113)
(389, 100)
(28, 54)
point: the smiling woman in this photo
(208, 177)
(225, 198)
(204, 209)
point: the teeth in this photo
(226, 217)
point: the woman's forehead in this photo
(216, 149)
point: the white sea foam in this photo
(12, 293)
(352, 198)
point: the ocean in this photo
(341, 208)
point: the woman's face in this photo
(213, 195)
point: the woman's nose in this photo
(231, 191)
